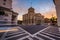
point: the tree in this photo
(53, 20)
(19, 22)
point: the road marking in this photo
(41, 31)
(59, 29)
(3, 36)
(46, 36)
(30, 38)
(23, 38)
(51, 35)
(15, 33)
(26, 31)
(56, 34)
(38, 38)
(16, 36)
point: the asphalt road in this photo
(1, 34)
(33, 28)
(45, 33)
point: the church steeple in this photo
(31, 9)
(31, 3)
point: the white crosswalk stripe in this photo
(46, 36)
(16, 33)
(51, 35)
(15, 36)
(41, 30)
(38, 38)
(30, 36)
(23, 38)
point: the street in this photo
(46, 33)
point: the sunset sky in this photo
(45, 7)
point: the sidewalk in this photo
(53, 29)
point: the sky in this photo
(45, 7)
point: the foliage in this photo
(53, 19)
(19, 22)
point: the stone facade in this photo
(7, 15)
(32, 18)
(57, 5)
(6, 4)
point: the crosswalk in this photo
(15, 35)
(23, 35)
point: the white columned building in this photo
(32, 18)
(57, 5)
(7, 15)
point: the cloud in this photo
(21, 7)
(50, 13)
(19, 17)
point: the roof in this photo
(31, 8)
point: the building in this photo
(57, 6)
(32, 18)
(7, 15)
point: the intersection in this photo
(48, 33)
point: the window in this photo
(4, 0)
(5, 19)
(2, 13)
(4, 3)
(6, 14)
(13, 17)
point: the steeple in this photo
(31, 3)
(31, 9)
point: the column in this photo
(57, 5)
